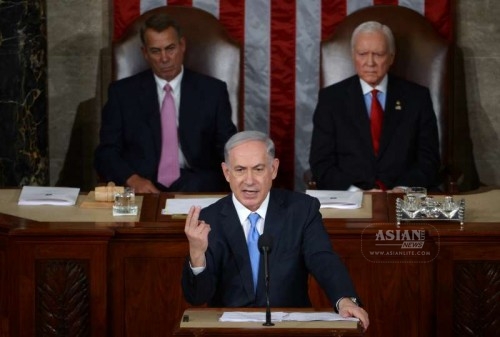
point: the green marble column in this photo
(23, 94)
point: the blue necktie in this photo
(253, 249)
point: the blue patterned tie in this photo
(253, 249)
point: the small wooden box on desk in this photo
(205, 322)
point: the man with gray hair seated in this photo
(225, 268)
(164, 129)
(374, 131)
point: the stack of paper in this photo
(182, 205)
(338, 199)
(244, 316)
(42, 195)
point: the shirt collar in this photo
(382, 86)
(244, 212)
(175, 83)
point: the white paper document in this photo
(46, 195)
(182, 205)
(316, 316)
(338, 199)
(243, 316)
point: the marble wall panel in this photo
(478, 36)
(24, 148)
(77, 32)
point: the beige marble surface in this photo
(47, 213)
(481, 207)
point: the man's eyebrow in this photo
(172, 45)
(252, 167)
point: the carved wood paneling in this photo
(154, 296)
(62, 298)
(476, 309)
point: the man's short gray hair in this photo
(371, 27)
(247, 136)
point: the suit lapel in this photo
(188, 108)
(394, 109)
(235, 239)
(273, 225)
(361, 121)
(275, 218)
(150, 107)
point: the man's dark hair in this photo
(159, 23)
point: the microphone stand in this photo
(266, 270)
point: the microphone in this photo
(265, 244)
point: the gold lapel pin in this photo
(398, 105)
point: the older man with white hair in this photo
(374, 131)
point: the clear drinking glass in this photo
(420, 193)
(411, 203)
(124, 203)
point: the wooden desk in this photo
(123, 278)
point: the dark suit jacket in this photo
(130, 136)
(300, 246)
(341, 147)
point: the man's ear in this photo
(274, 166)
(143, 50)
(182, 44)
(225, 170)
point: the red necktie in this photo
(376, 115)
(168, 168)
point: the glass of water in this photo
(124, 203)
(420, 193)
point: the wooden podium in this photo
(205, 322)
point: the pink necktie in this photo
(376, 113)
(168, 169)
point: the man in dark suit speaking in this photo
(165, 128)
(225, 269)
(374, 131)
